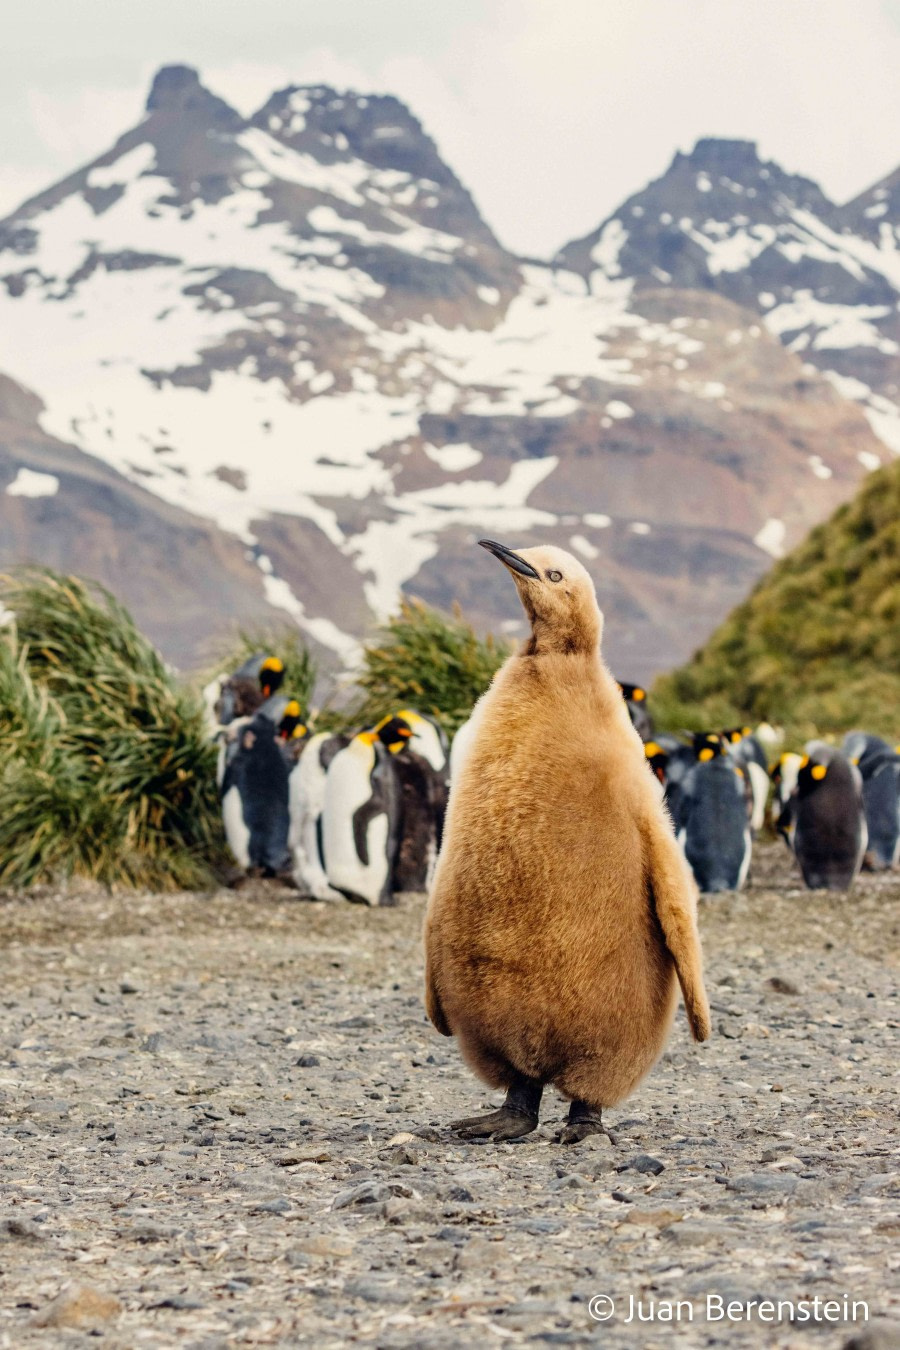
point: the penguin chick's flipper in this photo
(583, 1120)
(433, 1003)
(673, 894)
(517, 1116)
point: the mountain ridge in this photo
(298, 327)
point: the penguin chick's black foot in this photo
(517, 1116)
(583, 1121)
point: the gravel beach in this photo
(224, 1124)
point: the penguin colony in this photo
(837, 808)
(387, 795)
(354, 817)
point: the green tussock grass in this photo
(427, 660)
(816, 646)
(106, 771)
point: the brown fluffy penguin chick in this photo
(562, 909)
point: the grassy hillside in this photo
(816, 647)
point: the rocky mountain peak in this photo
(876, 211)
(715, 152)
(338, 127)
(333, 125)
(177, 89)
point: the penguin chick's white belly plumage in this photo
(356, 827)
(562, 908)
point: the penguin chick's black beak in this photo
(510, 559)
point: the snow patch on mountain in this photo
(129, 166)
(834, 327)
(771, 538)
(30, 483)
(453, 458)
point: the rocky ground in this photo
(224, 1124)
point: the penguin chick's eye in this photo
(554, 576)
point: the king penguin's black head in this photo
(708, 745)
(292, 725)
(657, 758)
(810, 774)
(394, 733)
(271, 675)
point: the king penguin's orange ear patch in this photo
(818, 771)
(706, 754)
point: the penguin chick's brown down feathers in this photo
(562, 908)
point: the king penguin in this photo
(419, 748)
(255, 798)
(562, 909)
(361, 820)
(829, 834)
(306, 791)
(750, 755)
(879, 765)
(784, 797)
(713, 824)
(635, 697)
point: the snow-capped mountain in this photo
(824, 278)
(295, 333)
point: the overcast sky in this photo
(551, 111)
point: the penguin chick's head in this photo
(271, 675)
(558, 596)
